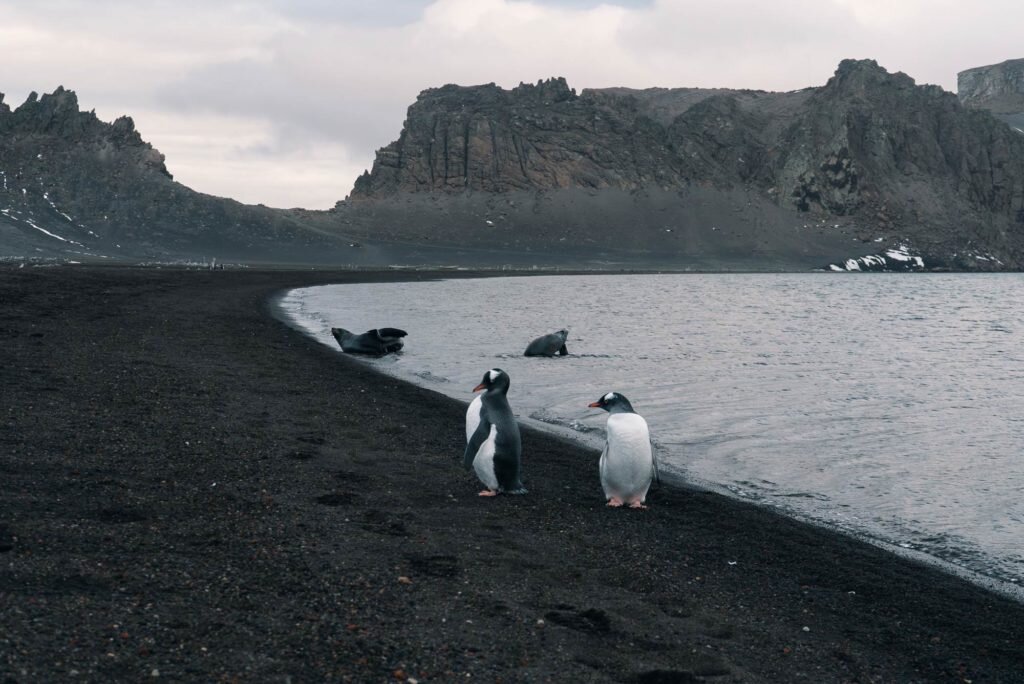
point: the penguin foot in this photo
(614, 502)
(520, 491)
(488, 492)
(638, 504)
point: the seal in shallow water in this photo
(548, 345)
(378, 341)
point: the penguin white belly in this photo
(483, 462)
(627, 464)
(473, 416)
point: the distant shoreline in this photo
(193, 488)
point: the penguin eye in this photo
(610, 396)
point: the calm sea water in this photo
(889, 406)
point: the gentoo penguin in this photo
(627, 463)
(377, 341)
(494, 448)
(548, 345)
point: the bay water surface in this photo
(890, 406)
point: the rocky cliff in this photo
(867, 164)
(998, 88)
(75, 187)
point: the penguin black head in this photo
(613, 402)
(494, 379)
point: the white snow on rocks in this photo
(878, 262)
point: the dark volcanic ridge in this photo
(868, 163)
(868, 172)
(75, 187)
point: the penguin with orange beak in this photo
(627, 464)
(494, 448)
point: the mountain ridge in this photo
(869, 171)
(76, 187)
(870, 152)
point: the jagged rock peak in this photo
(544, 91)
(55, 112)
(60, 102)
(60, 98)
(125, 124)
(859, 75)
(553, 90)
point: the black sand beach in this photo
(190, 490)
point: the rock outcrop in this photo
(535, 136)
(999, 88)
(75, 187)
(824, 173)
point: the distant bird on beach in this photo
(378, 341)
(494, 448)
(548, 345)
(627, 463)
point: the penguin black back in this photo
(497, 434)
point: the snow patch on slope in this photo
(893, 259)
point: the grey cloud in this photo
(587, 4)
(301, 116)
(354, 12)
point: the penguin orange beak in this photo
(594, 404)
(479, 387)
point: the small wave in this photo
(579, 426)
(802, 495)
(545, 417)
(430, 377)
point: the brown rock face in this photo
(870, 153)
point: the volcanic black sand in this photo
(191, 490)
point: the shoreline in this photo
(293, 318)
(198, 490)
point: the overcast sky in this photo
(284, 102)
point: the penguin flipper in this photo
(483, 430)
(654, 465)
(563, 351)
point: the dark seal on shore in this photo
(378, 341)
(548, 345)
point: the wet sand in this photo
(191, 490)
